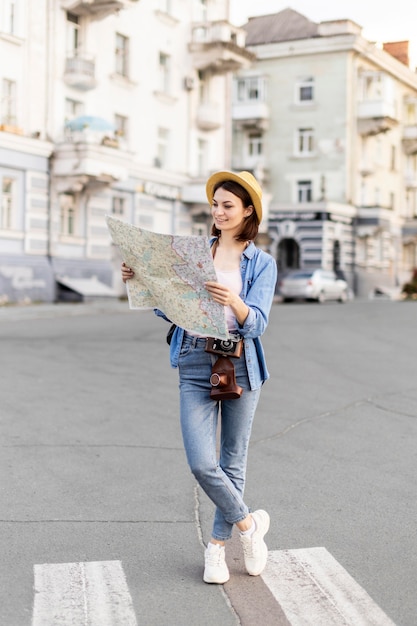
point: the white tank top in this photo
(233, 280)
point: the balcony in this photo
(366, 167)
(96, 9)
(208, 116)
(371, 217)
(409, 227)
(251, 114)
(89, 159)
(376, 116)
(410, 139)
(80, 72)
(410, 179)
(219, 47)
(195, 193)
(254, 165)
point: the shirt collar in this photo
(248, 252)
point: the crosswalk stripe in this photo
(312, 588)
(82, 594)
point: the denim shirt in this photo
(259, 274)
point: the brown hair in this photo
(250, 224)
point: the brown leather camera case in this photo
(223, 380)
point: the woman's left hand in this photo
(221, 294)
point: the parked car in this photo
(319, 284)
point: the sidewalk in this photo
(62, 309)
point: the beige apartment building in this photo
(328, 121)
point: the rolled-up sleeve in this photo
(259, 295)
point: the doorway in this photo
(288, 255)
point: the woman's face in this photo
(228, 211)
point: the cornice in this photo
(368, 50)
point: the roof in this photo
(287, 25)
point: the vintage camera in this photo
(223, 380)
(227, 347)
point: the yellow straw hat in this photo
(245, 179)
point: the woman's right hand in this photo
(127, 272)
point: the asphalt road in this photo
(93, 469)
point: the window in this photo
(202, 157)
(8, 201)
(250, 89)
(304, 191)
(201, 6)
(409, 256)
(162, 147)
(165, 6)
(122, 55)
(73, 34)
(203, 87)
(362, 252)
(11, 16)
(304, 90)
(411, 113)
(255, 145)
(73, 108)
(118, 206)
(393, 158)
(412, 204)
(67, 208)
(363, 193)
(164, 71)
(121, 126)
(8, 102)
(305, 141)
(10, 11)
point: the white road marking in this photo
(313, 589)
(82, 594)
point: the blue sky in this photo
(394, 21)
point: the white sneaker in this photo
(216, 570)
(254, 546)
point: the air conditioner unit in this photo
(189, 83)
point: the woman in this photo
(246, 283)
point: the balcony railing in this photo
(251, 113)
(96, 8)
(208, 116)
(80, 72)
(94, 156)
(219, 47)
(376, 116)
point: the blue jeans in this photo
(221, 477)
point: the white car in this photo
(320, 285)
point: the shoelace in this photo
(249, 544)
(215, 558)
